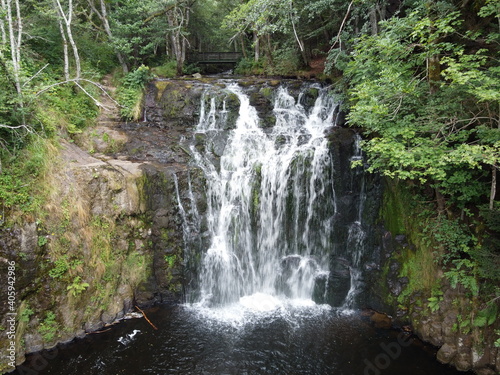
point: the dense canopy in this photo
(420, 79)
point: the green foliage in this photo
(286, 61)
(458, 244)
(19, 180)
(463, 272)
(68, 109)
(171, 260)
(248, 66)
(205, 24)
(135, 39)
(61, 266)
(435, 300)
(48, 327)
(137, 78)
(97, 53)
(130, 94)
(437, 130)
(464, 324)
(42, 240)
(25, 314)
(434, 303)
(487, 316)
(77, 287)
(167, 70)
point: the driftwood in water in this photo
(145, 317)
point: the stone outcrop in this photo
(109, 234)
(407, 279)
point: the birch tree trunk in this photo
(3, 5)
(67, 18)
(256, 46)
(184, 39)
(65, 49)
(176, 21)
(15, 48)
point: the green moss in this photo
(171, 259)
(402, 214)
(165, 234)
(393, 211)
(266, 92)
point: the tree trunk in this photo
(67, 21)
(243, 49)
(65, 50)
(433, 73)
(256, 45)
(441, 202)
(176, 46)
(269, 49)
(184, 39)
(493, 186)
(373, 21)
(13, 47)
(15, 52)
(104, 18)
(2, 25)
(19, 33)
(176, 20)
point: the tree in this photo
(178, 20)
(264, 18)
(441, 129)
(102, 13)
(66, 18)
(14, 33)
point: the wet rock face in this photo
(358, 197)
(447, 323)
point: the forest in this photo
(419, 78)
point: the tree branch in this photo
(77, 82)
(342, 26)
(160, 13)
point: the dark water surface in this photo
(299, 341)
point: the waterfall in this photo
(271, 201)
(356, 234)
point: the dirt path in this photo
(110, 113)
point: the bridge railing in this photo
(214, 57)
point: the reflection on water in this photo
(303, 339)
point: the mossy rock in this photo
(310, 97)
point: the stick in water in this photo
(145, 317)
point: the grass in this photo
(167, 70)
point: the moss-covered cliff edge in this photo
(105, 233)
(416, 283)
(102, 242)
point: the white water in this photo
(357, 235)
(271, 208)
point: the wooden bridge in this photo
(214, 57)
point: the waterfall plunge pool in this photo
(286, 223)
(298, 339)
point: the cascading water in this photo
(356, 235)
(271, 201)
(286, 221)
